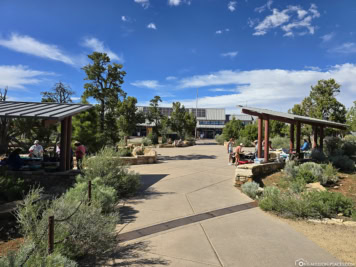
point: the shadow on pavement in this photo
(148, 180)
(187, 157)
(133, 254)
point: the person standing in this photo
(36, 150)
(238, 151)
(79, 154)
(230, 150)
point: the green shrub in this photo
(101, 195)
(318, 155)
(311, 172)
(297, 186)
(280, 142)
(332, 146)
(349, 148)
(350, 138)
(146, 141)
(220, 139)
(330, 174)
(107, 166)
(124, 152)
(250, 189)
(80, 229)
(313, 204)
(245, 141)
(290, 170)
(12, 188)
(344, 163)
(18, 258)
(153, 137)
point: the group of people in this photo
(36, 151)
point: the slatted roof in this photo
(39, 110)
(291, 118)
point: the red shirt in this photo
(80, 151)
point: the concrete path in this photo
(190, 214)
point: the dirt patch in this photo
(339, 240)
(12, 245)
(346, 186)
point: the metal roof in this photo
(40, 110)
(292, 117)
(242, 117)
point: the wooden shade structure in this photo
(50, 113)
(295, 121)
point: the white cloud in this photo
(152, 84)
(124, 18)
(346, 48)
(276, 89)
(28, 45)
(152, 26)
(222, 90)
(230, 54)
(171, 78)
(290, 20)
(327, 37)
(98, 46)
(174, 2)
(222, 31)
(264, 7)
(232, 6)
(17, 77)
(312, 68)
(144, 3)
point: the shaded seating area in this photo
(295, 121)
(49, 113)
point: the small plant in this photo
(220, 139)
(318, 155)
(12, 188)
(290, 170)
(297, 186)
(250, 189)
(124, 152)
(344, 163)
(330, 174)
(146, 141)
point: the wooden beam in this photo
(63, 147)
(69, 142)
(321, 138)
(315, 136)
(266, 140)
(291, 136)
(259, 144)
(298, 138)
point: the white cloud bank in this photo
(232, 6)
(276, 89)
(231, 54)
(98, 46)
(17, 77)
(345, 48)
(28, 45)
(144, 3)
(292, 20)
(152, 84)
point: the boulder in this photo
(315, 186)
(150, 152)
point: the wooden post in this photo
(315, 136)
(259, 144)
(298, 138)
(291, 136)
(69, 142)
(50, 234)
(321, 137)
(89, 193)
(266, 139)
(63, 148)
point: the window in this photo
(211, 122)
(201, 112)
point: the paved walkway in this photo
(190, 214)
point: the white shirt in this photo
(37, 150)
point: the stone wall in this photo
(246, 172)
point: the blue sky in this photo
(260, 53)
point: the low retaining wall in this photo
(246, 172)
(139, 159)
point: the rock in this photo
(315, 186)
(336, 220)
(137, 151)
(340, 214)
(350, 223)
(336, 186)
(260, 190)
(314, 221)
(150, 152)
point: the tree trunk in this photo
(4, 139)
(102, 116)
(125, 140)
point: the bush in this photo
(101, 195)
(146, 141)
(220, 139)
(297, 186)
(12, 188)
(313, 204)
(153, 137)
(332, 146)
(349, 148)
(344, 163)
(107, 166)
(311, 172)
(250, 189)
(280, 142)
(80, 229)
(245, 141)
(330, 174)
(124, 152)
(350, 138)
(290, 170)
(318, 155)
